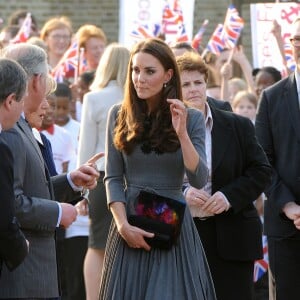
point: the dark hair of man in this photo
(13, 79)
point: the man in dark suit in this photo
(13, 245)
(35, 191)
(278, 131)
(223, 211)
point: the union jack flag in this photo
(233, 26)
(58, 73)
(198, 36)
(261, 266)
(145, 31)
(172, 15)
(181, 34)
(216, 42)
(69, 63)
(24, 31)
(172, 22)
(288, 52)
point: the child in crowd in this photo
(76, 235)
(63, 95)
(59, 138)
(79, 89)
(245, 104)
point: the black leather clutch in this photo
(158, 214)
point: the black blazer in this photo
(218, 104)
(240, 170)
(13, 247)
(278, 130)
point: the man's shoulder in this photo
(13, 136)
(279, 85)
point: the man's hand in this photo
(196, 197)
(68, 214)
(292, 211)
(216, 204)
(87, 174)
(82, 207)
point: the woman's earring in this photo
(165, 84)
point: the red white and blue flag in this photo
(145, 31)
(70, 63)
(233, 26)
(289, 58)
(24, 31)
(181, 34)
(173, 24)
(199, 35)
(261, 266)
(216, 42)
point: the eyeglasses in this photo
(60, 37)
(295, 41)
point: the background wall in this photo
(105, 14)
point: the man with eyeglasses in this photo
(35, 191)
(278, 130)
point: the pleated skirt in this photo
(181, 273)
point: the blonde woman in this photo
(106, 90)
(57, 35)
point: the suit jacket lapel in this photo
(22, 124)
(290, 93)
(221, 136)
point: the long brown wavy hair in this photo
(130, 124)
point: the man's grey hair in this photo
(13, 79)
(31, 57)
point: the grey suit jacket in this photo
(38, 214)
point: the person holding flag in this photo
(24, 31)
(57, 34)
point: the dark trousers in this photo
(58, 298)
(284, 259)
(233, 280)
(74, 253)
(261, 288)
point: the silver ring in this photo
(215, 203)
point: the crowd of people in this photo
(165, 120)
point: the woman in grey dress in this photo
(152, 141)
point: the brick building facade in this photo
(105, 13)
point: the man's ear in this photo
(8, 102)
(34, 83)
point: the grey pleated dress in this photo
(181, 273)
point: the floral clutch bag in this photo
(158, 214)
